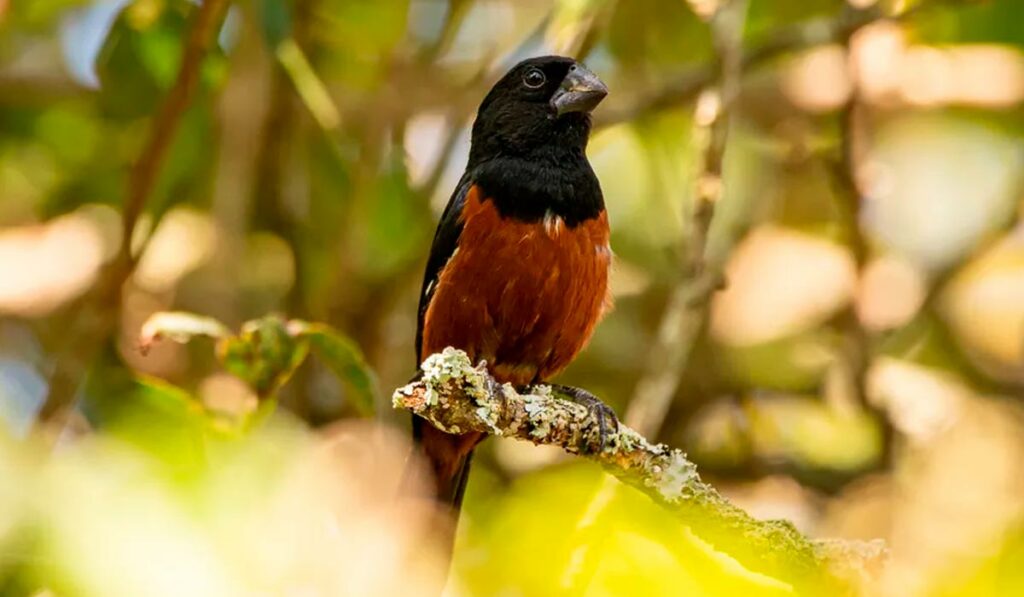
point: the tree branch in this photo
(457, 397)
(146, 170)
(686, 312)
(96, 318)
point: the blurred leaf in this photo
(926, 342)
(345, 359)
(528, 537)
(36, 14)
(1001, 573)
(354, 36)
(394, 222)
(268, 351)
(72, 134)
(179, 327)
(646, 33)
(308, 84)
(763, 18)
(794, 363)
(993, 21)
(275, 19)
(812, 434)
(264, 354)
(161, 419)
(140, 57)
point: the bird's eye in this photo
(534, 78)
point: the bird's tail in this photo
(450, 457)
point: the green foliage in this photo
(140, 57)
(650, 33)
(267, 351)
(996, 21)
(345, 359)
(542, 535)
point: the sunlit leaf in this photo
(179, 327)
(528, 538)
(156, 417)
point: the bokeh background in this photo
(860, 372)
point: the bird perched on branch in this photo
(518, 271)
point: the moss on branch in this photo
(456, 396)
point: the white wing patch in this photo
(553, 224)
(430, 285)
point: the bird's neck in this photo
(532, 187)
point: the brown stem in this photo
(147, 169)
(686, 311)
(98, 312)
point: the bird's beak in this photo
(581, 91)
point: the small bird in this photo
(518, 271)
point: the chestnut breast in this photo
(524, 296)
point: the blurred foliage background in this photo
(860, 373)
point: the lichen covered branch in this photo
(456, 396)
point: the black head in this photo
(540, 106)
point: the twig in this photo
(576, 28)
(97, 316)
(686, 311)
(457, 397)
(146, 170)
(454, 17)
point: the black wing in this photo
(446, 240)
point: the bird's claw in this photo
(607, 420)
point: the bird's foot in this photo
(607, 421)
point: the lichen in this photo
(399, 396)
(539, 416)
(671, 475)
(448, 366)
(488, 416)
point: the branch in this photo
(686, 311)
(457, 397)
(96, 315)
(146, 170)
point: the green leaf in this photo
(160, 419)
(996, 21)
(140, 57)
(264, 355)
(268, 350)
(345, 359)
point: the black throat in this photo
(530, 181)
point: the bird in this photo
(517, 274)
